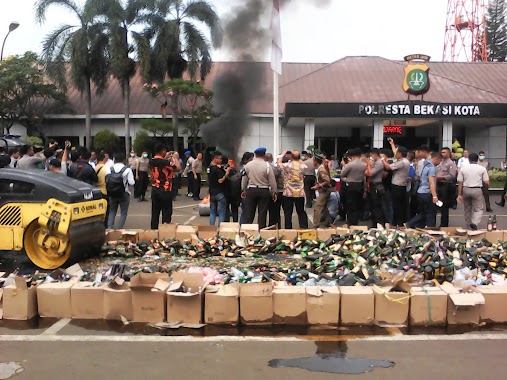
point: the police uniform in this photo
(324, 189)
(259, 184)
(473, 177)
(353, 174)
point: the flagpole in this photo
(276, 117)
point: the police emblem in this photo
(416, 80)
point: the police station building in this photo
(353, 102)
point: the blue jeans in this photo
(426, 212)
(124, 203)
(217, 203)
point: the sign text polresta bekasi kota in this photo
(456, 110)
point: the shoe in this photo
(500, 204)
(474, 227)
(489, 210)
(190, 195)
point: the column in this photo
(378, 134)
(447, 134)
(309, 133)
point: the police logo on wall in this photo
(416, 80)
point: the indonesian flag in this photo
(276, 54)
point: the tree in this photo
(496, 31)
(143, 142)
(120, 17)
(172, 44)
(82, 48)
(106, 140)
(193, 103)
(25, 96)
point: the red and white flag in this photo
(276, 54)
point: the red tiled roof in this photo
(348, 80)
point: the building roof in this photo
(348, 80)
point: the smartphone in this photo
(390, 139)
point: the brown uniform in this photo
(324, 189)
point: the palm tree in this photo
(172, 43)
(83, 47)
(120, 17)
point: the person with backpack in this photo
(118, 180)
(102, 169)
(80, 169)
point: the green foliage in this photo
(497, 175)
(173, 42)
(188, 99)
(143, 142)
(34, 141)
(496, 30)
(106, 140)
(25, 96)
(157, 127)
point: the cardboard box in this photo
(269, 232)
(131, 235)
(359, 228)
(222, 305)
(494, 236)
(391, 308)
(250, 229)
(256, 304)
(307, 234)
(167, 231)
(289, 305)
(229, 230)
(325, 233)
(342, 231)
(207, 232)
(148, 235)
(323, 305)
(148, 296)
(118, 300)
(357, 305)
(428, 306)
(53, 299)
(494, 309)
(462, 308)
(288, 234)
(185, 232)
(114, 235)
(19, 301)
(87, 301)
(186, 307)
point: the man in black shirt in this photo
(82, 170)
(217, 187)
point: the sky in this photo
(310, 33)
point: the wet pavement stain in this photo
(9, 369)
(331, 358)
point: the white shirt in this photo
(110, 163)
(128, 176)
(462, 162)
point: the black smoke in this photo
(247, 38)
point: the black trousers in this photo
(502, 200)
(274, 211)
(257, 199)
(197, 186)
(377, 194)
(190, 180)
(446, 193)
(485, 193)
(161, 201)
(354, 202)
(141, 185)
(288, 208)
(234, 208)
(400, 204)
(309, 182)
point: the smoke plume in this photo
(247, 38)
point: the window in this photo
(16, 187)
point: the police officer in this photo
(259, 186)
(446, 185)
(323, 186)
(309, 179)
(353, 175)
(374, 171)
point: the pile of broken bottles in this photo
(358, 258)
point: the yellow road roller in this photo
(56, 220)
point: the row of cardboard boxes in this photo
(230, 230)
(151, 298)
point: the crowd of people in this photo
(389, 186)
